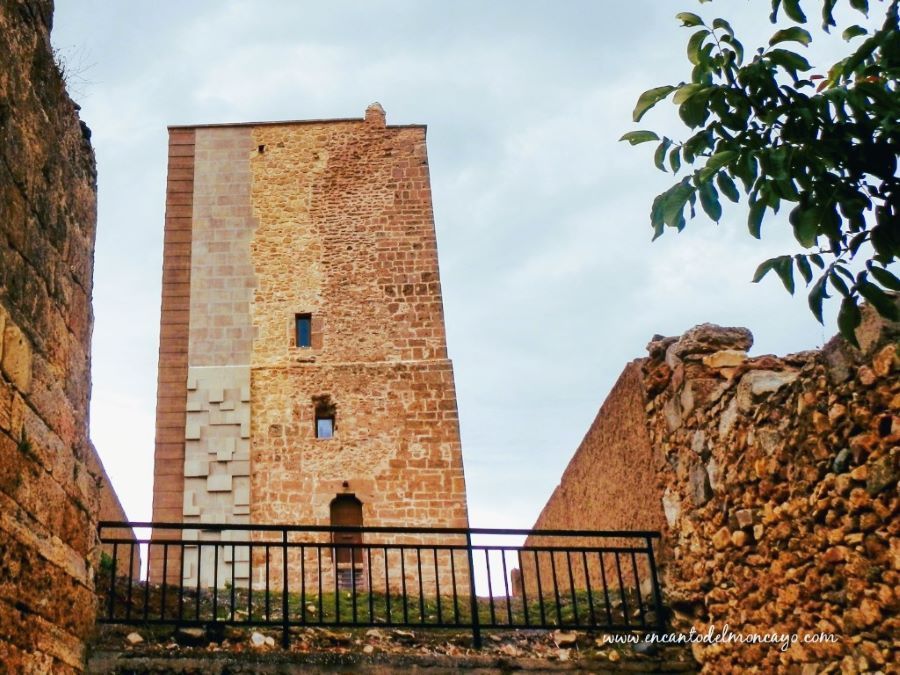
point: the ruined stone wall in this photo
(52, 486)
(777, 478)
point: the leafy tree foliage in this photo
(822, 145)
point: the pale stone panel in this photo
(214, 481)
(222, 279)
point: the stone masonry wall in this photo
(265, 222)
(52, 486)
(350, 240)
(777, 478)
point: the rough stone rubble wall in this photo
(777, 479)
(52, 485)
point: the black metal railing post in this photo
(473, 598)
(285, 626)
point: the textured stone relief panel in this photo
(216, 465)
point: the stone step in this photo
(229, 649)
(279, 662)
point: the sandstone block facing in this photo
(16, 362)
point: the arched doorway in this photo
(346, 511)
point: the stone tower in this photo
(303, 366)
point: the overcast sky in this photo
(550, 281)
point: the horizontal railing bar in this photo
(363, 624)
(221, 527)
(377, 545)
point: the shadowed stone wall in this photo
(52, 486)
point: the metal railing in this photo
(299, 576)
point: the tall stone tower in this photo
(303, 370)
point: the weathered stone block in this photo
(708, 338)
(701, 491)
(756, 383)
(194, 468)
(218, 484)
(727, 358)
(17, 357)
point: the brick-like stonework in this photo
(171, 394)
(53, 488)
(331, 219)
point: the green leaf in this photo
(790, 61)
(885, 278)
(817, 295)
(852, 62)
(804, 268)
(727, 186)
(754, 220)
(792, 9)
(848, 320)
(685, 91)
(805, 220)
(880, 300)
(853, 31)
(738, 47)
(695, 110)
(689, 19)
(656, 216)
(861, 5)
(886, 239)
(694, 45)
(792, 34)
(764, 268)
(649, 99)
(784, 268)
(773, 17)
(673, 206)
(722, 24)
(636, 137)
(839, 285)
(675, 159)
(660, 155)
(843, 270)
(716, 162)
(709, 200)
(828, 14)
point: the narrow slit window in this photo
(303, 323)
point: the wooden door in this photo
(346, 510)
